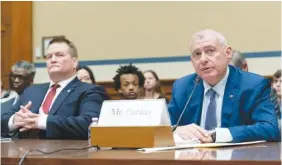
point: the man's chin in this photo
(131, 97)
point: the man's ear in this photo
(75, 61)
(120, 91)
(245, 67)
(229, 53)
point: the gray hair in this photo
(203, 33)
(237, 58)
(30, 67)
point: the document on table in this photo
(197, 145)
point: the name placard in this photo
(147, 112)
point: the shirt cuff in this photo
(42, 122)
(223, 135)
(11, 124)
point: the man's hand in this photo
(192, 132)
(21, 114)
(25, 119)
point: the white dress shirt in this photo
(222, 134)
(43, 117)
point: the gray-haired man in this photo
(21, 76)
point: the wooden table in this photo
(258, 154)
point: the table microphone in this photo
(197, 79)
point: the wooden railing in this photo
(166, 85)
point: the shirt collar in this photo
(63, 83)
(220, 86)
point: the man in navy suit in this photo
(234, 103)
(61, 109)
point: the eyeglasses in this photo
(20, 77)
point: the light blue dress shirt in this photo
(222, 134)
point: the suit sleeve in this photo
(76, 127)
(9, 112)
(264, 124)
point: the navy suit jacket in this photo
(71, 112)
(246, 109)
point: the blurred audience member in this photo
(85, 74)
(239, 60)
(7, 95)
(22, 76)
(152, 86)
(128, 81)
(8, 99)
(276, 85)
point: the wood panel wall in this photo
(16, 35)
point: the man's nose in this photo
(203, 58)
(17, 79)
(53, 58)
(130, 86)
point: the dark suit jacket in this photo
(246, 109)
(71, 112)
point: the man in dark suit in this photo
(61, 109)
(234, 103)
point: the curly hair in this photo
(128, 69)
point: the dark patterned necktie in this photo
(211, 121)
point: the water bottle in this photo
(93, 124)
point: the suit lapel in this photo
(40, 94)
(63, 95)
(231, 90)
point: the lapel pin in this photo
(230, 96)
(69, 91)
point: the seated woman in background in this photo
(276, 85)
(152, 86)
(85, 74)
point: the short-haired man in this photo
(234, 103)
(61, 109)
(21, 76)
(238, 59)
(128, 81)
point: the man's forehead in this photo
(199, 42)
(129, 77)
(20, 71)
(57, 47)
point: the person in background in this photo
(7, 95)
(276, 85)
(85, 74)
(22, 76)
(238, 59)
(60, 109)
(227, 104)
(8, 99)
(152, 86)
(128, 82)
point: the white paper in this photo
(5, 140)
(204, 145)
(146, 112)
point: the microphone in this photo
(197, 79)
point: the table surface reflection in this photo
(263, 153)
